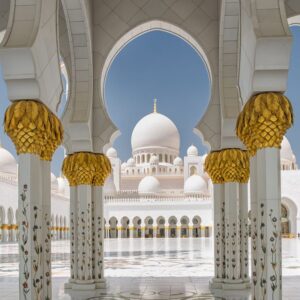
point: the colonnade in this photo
(158, 232)
(261, 126)
(8, 233)
(37, 132)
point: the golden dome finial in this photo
(155, 106)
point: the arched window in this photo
(193, 170)
(148, 157)
(285, 224)
(160, 157)
(166, 158)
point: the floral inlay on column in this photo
(86, 169)
(24, 247)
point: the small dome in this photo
(130, 162)
(286, 151)
(192, 151)
(124, 165)
(154, 160)
(195, 184)
(112, 153)
(8, 163)
(178, 161)
(149, 185)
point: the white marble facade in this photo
(155, 193)
(9, 201)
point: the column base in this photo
(100, 284)
(216, 283)
(235, 284)
(85, 285)
(81, 285)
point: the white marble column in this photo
(143, 231)
(232, 238)
(219, 236)
(98, 236)
(244, 232)
(167, 233)
(178, 231)
(73, 235)
(154, 231)
(255, 241)
(46, 226)
(84, 236)
(268, 252)
(4, 233)
(32, 243)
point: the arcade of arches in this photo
(245, 46)
(159, 228)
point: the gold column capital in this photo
(228, 165)
(86, 168)
(103, 171)
(33, 128)
(264, 120)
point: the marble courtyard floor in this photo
(147, 269)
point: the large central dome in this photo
(155, 130)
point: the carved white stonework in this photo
(34, 223)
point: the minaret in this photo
(155, 106)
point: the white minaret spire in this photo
(155, 105)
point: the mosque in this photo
(246, 49)
(155, 193)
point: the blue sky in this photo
(163, 66)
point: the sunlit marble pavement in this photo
(147, 269)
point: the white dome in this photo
(8, 163)
(149, 185)
(112, 152)
(192, 151)
(286, 151)
(177, 161)
(154, 160)
(124, 165)
(195, 184)
(130, 162)
(155, 130)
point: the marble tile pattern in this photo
(147, 269)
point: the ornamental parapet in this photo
(33, 128)
(86, 168)
(228, 165)
(264, 120)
